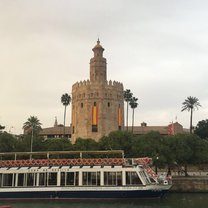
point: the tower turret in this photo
(98, 65)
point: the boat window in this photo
(31, 179)
(91, 178)
(52, 179)
(7, 179)
(132, 178)
(42, 179)
(0, 179)
(112, 178)
(69, 178)
(20, 181)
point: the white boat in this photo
(79, 178)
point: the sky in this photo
(157, 48)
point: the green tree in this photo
(183, 149)
(147, 145)
(201, 150)
(117, 140)
(133, 103)
(85, 144)
(24, 143)
(57, 144)
(32, 125)
(1, 128)
(127, 97)
(166, 155)
(202, 129)
(7, 142)
(190, 104)
(65, 100)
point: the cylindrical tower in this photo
(97, 104)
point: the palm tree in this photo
(190, 104)
(65, 99)
(127, 97)
(133, 103)
(33, 126)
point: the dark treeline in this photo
(166, 151)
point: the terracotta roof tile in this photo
(57, 130)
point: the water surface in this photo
(171, 200)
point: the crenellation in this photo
(108, 84)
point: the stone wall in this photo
(190, 184)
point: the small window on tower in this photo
(94, 103)
(94, 128)
(108, 104)
(82, 105)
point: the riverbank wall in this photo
(190, 184)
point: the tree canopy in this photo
(32, 125)
(1, 128)
(202, 129)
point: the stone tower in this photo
(97, 104)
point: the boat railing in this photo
(73, 162)
(62, 154)
(62, 162)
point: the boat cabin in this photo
(73, 176)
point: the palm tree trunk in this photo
(132, 128)
(127, 115)
(191, 117)
(64, 119)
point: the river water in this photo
(171, 200)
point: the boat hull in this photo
(110, 194)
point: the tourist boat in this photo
(77, 178)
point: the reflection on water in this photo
(169, 201)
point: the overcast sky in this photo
(157, 48)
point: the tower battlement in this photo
(86, 83)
